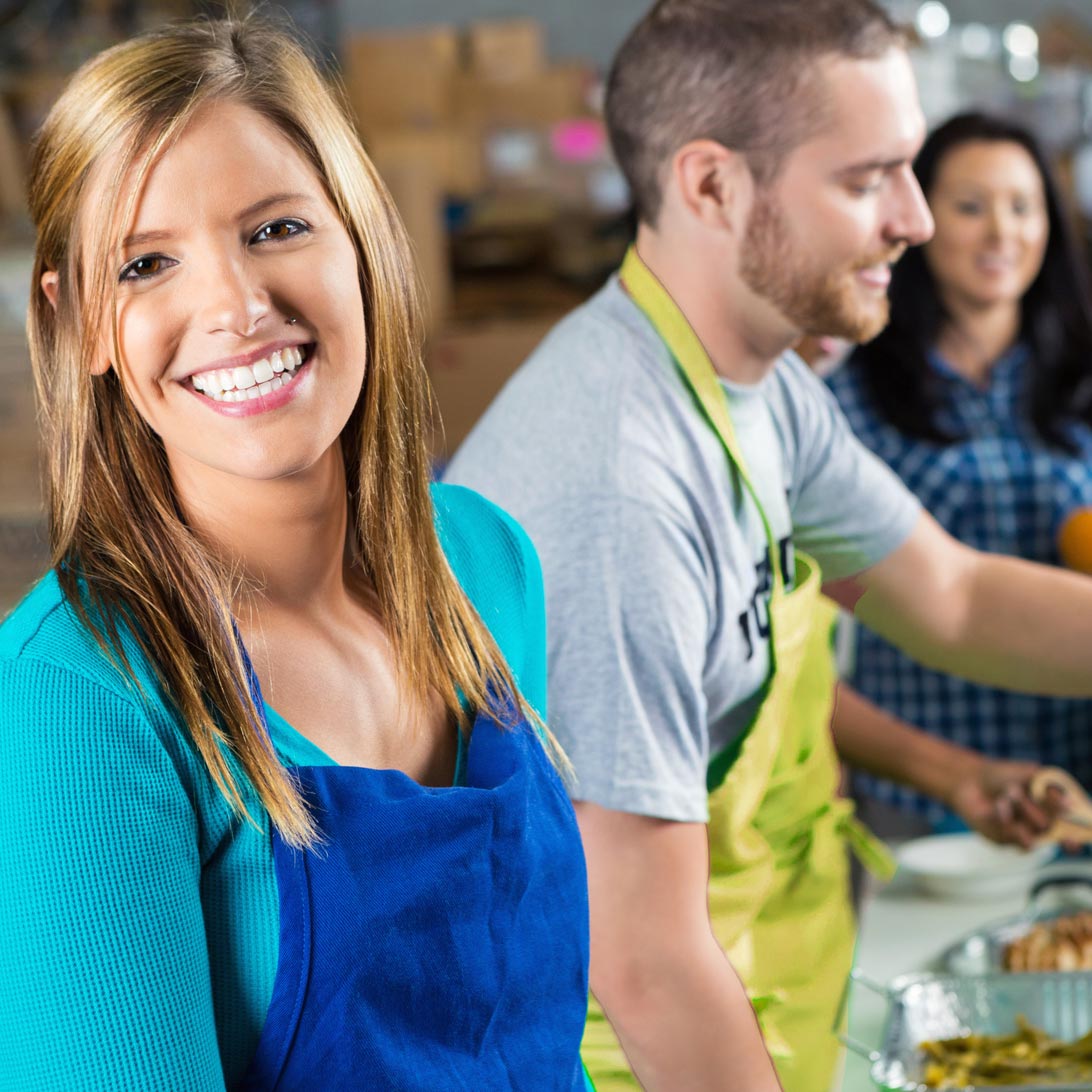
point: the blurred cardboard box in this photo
(416, 190)
(468, 365)
(555, 94)
(1065, 40)
(509, 49)
(452, 155)
(401, 78)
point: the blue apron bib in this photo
(437, 938)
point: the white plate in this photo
(968, 867)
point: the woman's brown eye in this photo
(141, 268)
(279, 230)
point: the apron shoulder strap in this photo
(699, 375)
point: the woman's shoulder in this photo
(43, 627)
(488, 551)
(498, 569)
(107, 713)
(45, 643)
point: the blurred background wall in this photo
(484, 118)
(593, 28)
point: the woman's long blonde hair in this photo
(124, 555)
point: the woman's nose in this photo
(233, 299)
(1000, 223)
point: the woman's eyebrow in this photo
(273, 199)
(141, 237)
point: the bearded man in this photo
(690, 486)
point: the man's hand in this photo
(989, 795)
(997, 804)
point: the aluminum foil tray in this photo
(983, 951)
(1060, 892)
(929, 1006)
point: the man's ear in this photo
(713, 183)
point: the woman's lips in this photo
(259, 398)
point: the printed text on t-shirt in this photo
(754, 622)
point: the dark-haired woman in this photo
(979, 395)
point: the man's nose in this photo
(911, 222)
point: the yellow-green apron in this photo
(779, 895)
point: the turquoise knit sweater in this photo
(138, 914)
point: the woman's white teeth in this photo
(263, 371)
(244, 378)
(250, 380)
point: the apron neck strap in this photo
(698, 372)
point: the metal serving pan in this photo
(1061, 891)
(931, 1006)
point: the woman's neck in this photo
(287, 536)
(975, 338)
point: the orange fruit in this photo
(1075, 540)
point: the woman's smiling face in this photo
(992, 224)
(239, 311)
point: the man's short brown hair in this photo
(740, 72)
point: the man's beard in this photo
(816, 301)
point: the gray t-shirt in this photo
(655, 559)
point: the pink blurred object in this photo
(578, 141)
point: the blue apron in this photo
(437, 938)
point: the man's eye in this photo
(279, 229)
(863, 184)
(142, 268)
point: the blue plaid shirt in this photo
(1004, 490)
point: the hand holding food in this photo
(1073, 820)
(997, 802)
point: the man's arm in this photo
(989, 618)
(677, 1006)
(989, 795)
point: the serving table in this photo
(903, 930)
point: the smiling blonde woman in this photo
(277, 808)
